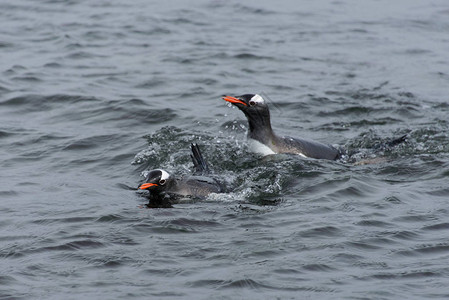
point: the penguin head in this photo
(247, 102)
(254, 107)
(157, 181)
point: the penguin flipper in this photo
(198, 160)
(397, 141)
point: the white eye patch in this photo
(164, 175)
(258, 99)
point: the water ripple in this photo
(93, 94)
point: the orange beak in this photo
(234, 100)
(147, 185)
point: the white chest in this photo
(259, 148)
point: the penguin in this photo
(264, 141)
(163, 185)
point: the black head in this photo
(255, 109)
(156, 181)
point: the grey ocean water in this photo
(93, 93)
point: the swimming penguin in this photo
(264, 141)
(163, 185)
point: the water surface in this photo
(94, 93)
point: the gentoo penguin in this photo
(264, 141)
(161, 184)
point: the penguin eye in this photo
(162, 181)
(252, 102)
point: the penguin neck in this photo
(261, 131)
(172, 185)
